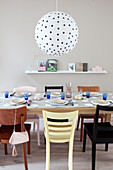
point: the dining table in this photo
(39, 102)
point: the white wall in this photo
(17, 43)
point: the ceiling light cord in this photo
(56, 5)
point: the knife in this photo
(12, 94)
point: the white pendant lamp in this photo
(56, 33)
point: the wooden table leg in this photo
(107, 117)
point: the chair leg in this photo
(70, 156)
(24, 156)
(81, 133)
(102, 120)
(106, 147)
(78, 122)
(93, 155)
(38, 133)
(34, 127)
(5, 148)
(47, 155)
(44, 140)
(28, 144)
(84, 141)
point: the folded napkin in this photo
(89, 105)
(76, 105)
(85, 100)
(93, 97)
(33, 106)
(37, 98)
(47, 105)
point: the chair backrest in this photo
(53, 88)
(96, 125)
(88, 88)
(7, 116)
(25, 89)
(59, 132)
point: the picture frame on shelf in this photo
(71, 67)
(41, 66)
(51, 65)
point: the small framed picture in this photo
(72, 67)
(41, 66)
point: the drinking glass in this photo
(62, 96)
(104, 96)
(68, 90)
(48, 94)
(6, 94)
(26, 96)
(87, 94)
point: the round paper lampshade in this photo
(56, 33)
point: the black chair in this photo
(99, 133)
(53, 88)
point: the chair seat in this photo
(7, 130)
(101, 134)
(91, 116)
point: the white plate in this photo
(18, 101)
(57, 104)
(78, 97)
(93, 94)
(55, 93)
(96, 102)
(21, 94)
(55, 96)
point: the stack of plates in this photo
(100, 102)
(55, 93)
(58, 102)
(18, 101)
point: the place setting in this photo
(59, 101)
(103, 101)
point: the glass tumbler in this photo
(62, 96)
(87, 94)
(6, 94)
(26, 96)
(104, 96)
(48, 94)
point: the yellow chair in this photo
(60, 132)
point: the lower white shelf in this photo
(64, 72)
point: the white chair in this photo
(59, 132)
(30, 118)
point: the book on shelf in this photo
(85, 66)
(81, 67)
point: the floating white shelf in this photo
(63, 72)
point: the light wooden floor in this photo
(59, 153)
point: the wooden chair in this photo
(99, 133)
(87, 116)
(7, 117)
(31, 118)
(59, 132)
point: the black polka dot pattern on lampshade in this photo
(56, 33)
